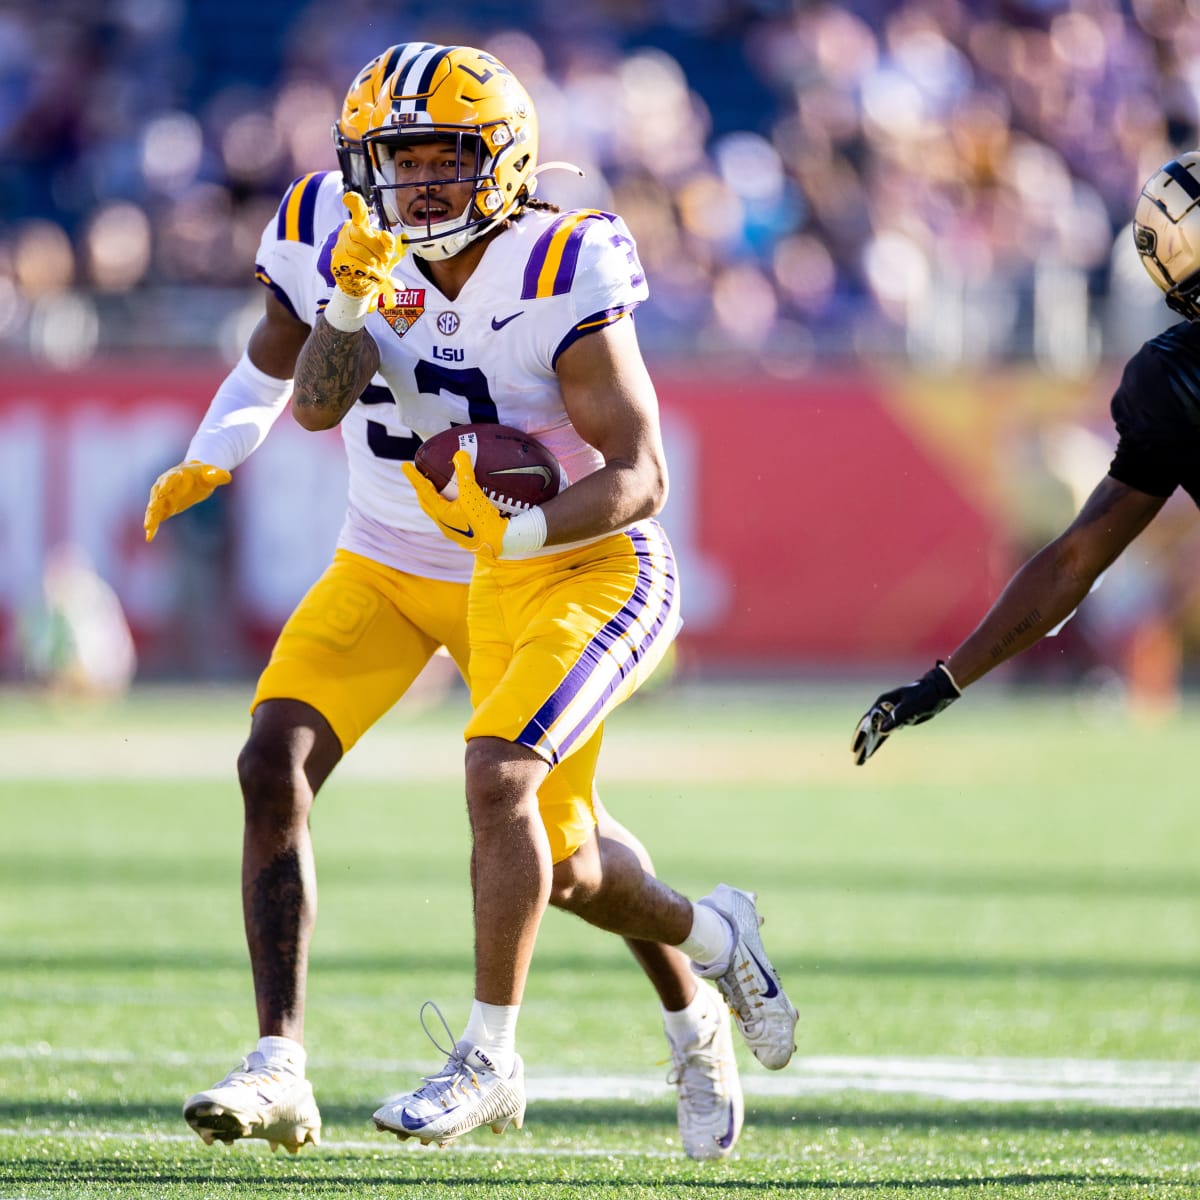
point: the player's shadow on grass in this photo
(399, 1169)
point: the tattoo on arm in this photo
(330, 369)
(1023, 626)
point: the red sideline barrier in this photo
(827, 534)
(810, 527)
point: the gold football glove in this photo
(180, 488)
(471, 520)
(363, 257)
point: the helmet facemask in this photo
(353, 161)
(475, 164)
(1184, 297)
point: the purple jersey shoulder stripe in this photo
(308, 209)
(295, 222)
(565, 274)
(281, 219)
(648, 607)
(560, 240)
(325, 258)
(260, 273)
(591, 324)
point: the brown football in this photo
(514, 470)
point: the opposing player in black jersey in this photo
(1156, 409)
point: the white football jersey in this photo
(489, 354)
(383, 521)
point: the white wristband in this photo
(348, 314)
(524, 534)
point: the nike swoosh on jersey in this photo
(535, 469)
(500, 324)
(467, 533)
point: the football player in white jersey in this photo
(394, 593)
(476, 303)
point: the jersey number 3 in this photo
(432, 378)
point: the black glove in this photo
(912, 704)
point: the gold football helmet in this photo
(1166, 231)
(462, 95)
(358, 111)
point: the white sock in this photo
(283, 1054)
(688, 1024)
(492, 1028)
(711, 939)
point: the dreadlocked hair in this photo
(532, 203)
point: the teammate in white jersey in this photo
(504, 311)
(395, 592)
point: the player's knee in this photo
(502, 780)
(269, 773)
(288, 756)
(576, 880)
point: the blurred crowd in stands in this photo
(944, 181)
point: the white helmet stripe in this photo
(418, 77)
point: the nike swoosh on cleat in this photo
(769, 976)
(726, 1139)
(500, 324)
(420, 1122)
(468, 532)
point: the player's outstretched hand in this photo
(912, 704)
(180, 488)
(363, 257)
(470, 519)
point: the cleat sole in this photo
(220, 1126)
(517, 1119)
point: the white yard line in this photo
(1105, 1082)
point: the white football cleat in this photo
(465, 1094)
(705, 1072)
(257, 1101)
(750, 985)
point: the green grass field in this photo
(992, 933)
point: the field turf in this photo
(992, 933)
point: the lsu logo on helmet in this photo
(1166, 232)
